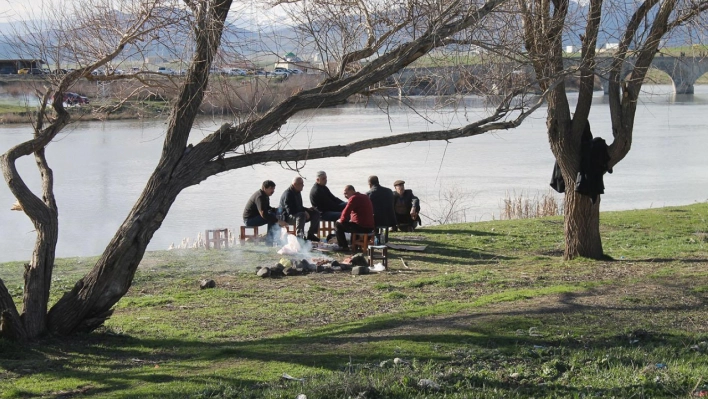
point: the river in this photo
(101, 168)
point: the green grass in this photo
(13, 108)
(489, 310)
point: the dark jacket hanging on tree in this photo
(594, 159)
(594, 162)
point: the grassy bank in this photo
(488, 310)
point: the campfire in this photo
(298, 257)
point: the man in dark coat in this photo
(258, 211)
(295, 213)
(406, 206)
(321, 198)
(382, 199)
(357, 216)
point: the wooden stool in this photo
(326, 228)
(378, 252)
(243, 235)
(362, 240)
(217, 237)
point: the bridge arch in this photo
(684, 71)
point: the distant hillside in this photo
(611, 27)
(263, 45)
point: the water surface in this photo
(101, 168)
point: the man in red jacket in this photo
(357, 216)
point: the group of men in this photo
(379, 208)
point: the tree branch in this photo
(487, 124)
(696, 8)
(587, 67)
(334, 91)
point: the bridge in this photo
(684, 72)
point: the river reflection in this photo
(101, 168)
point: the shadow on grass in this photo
(461, 232)
(116, 362)
(444, 253)
(670, 260)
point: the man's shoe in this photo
(313, 238)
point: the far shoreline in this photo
(16, 110)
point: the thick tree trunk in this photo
(582, 226)
(44, 215)
(89, 303)
(10, 322)
(38, 277)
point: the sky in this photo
(14, 10)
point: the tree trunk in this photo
(10, 322)
(38, 277)
(89, 303)
(582, 226)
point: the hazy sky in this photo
(14, 10)
(17, 10)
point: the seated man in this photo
(321, 198)
(259, 212)
(406, 206)
(357, 216)
(382, 199)
(296, 214)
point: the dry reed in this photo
(521, 206)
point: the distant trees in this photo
(366, 42)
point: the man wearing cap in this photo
(321, 198)
(357, 216)
(406, 206)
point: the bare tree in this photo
(50, 118)
(386, 39)
(451, 206)
(642, 30)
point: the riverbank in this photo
(488, 310)
(126, 99)
(226, 96)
